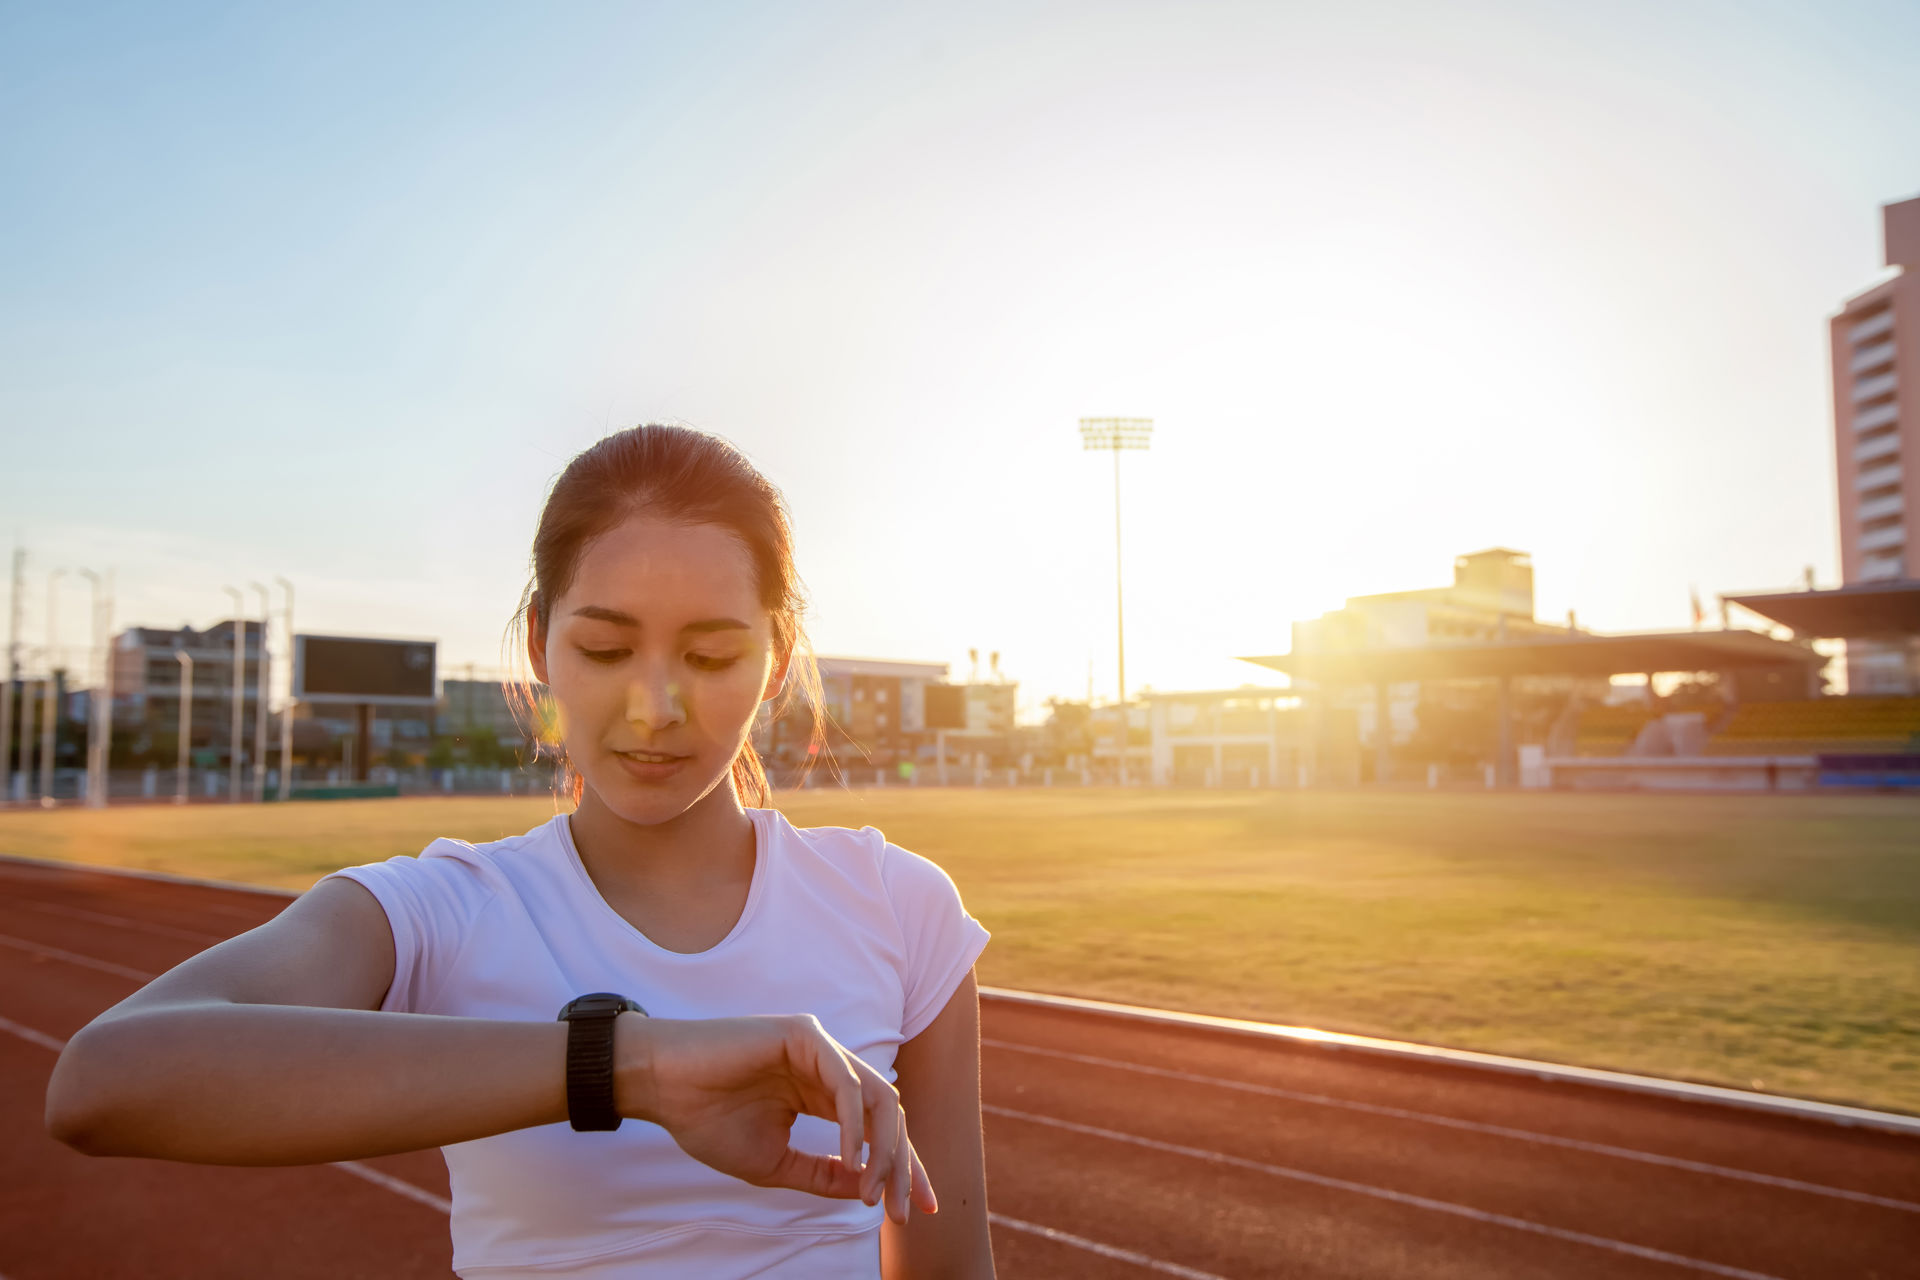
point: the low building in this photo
(872, 713)
(146, 690)
(1247, 737)
(1106, 760)
(1490, 601)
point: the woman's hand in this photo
(728, 1090)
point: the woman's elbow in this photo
(80, 1109)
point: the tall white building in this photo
(1876, 422)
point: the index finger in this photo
(837, 1073)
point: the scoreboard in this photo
(361, 669)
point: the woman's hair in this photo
(686, 476)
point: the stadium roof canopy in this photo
(1580, 654)
(1857, 611)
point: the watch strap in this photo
(590, 1021)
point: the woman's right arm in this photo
(270, 1049)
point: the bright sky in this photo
(334, 291)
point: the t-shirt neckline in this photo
(763, 844)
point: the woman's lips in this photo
(653, 769)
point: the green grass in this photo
(1728, 939)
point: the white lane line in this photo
(1381, 1193)
(411, 1192)
(126, 922)
(19, 868)
(418, 1195)
(69, 957)
(1104, 1250)
(399, 1186)
(31, 1036)
(1473, 1126)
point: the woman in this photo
(768, 999)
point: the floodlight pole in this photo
(1114, 435)
(239, 691)
(100, 706)
(185, 740)
(261, 669)
(286, 711)
(50, 695)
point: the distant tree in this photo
(483, 748)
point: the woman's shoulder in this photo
(867, 853)
(460, 868)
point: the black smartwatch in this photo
(589, 1022)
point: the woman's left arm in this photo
(938, 1076)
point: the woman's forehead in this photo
(652, 569)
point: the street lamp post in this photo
(184, 743)
(100, 706)
(1117, 435)
(260, 699)
(239, 691)
(49, 697)
(286, 711)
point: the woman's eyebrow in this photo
(603, 614)
(600, 613)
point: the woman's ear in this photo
(777, 678)
(536, 643)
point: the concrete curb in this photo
(55, 864)
(1678, 1090)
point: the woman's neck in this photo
(709, 843)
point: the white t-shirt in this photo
(869, 938)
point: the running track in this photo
(1114, 1149)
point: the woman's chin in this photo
(644, 800)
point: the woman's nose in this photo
(655, 704)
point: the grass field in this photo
(1764, 942)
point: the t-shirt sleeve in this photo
(942, 940)
(431, 903)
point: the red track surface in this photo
(1114, 1149)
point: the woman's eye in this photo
(710, 662)
(604, 655)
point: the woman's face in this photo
(658, 655)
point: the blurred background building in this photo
(146, 692)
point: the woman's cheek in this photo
(731, 699)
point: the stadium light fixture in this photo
(1118, 435)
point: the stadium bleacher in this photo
(1817, 726)
(1609, 731)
